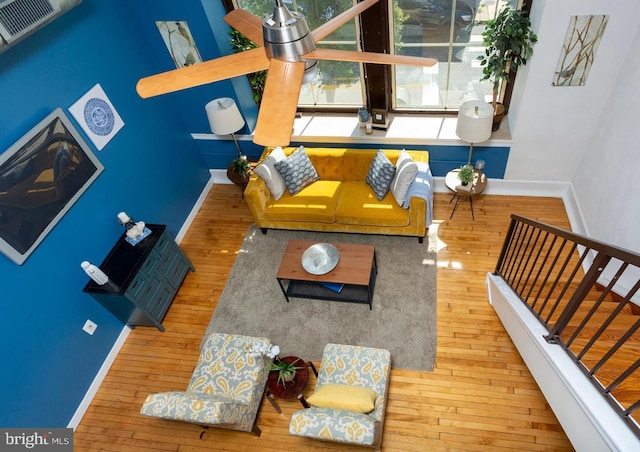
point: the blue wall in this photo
(153, 171)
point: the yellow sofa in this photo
(341, 201)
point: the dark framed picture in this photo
(41, 176)
(378, 116)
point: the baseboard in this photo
(196, 207)
(100, 376)
(219, 176)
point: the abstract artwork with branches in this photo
(579, 49)
(179, 41)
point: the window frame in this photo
(377, 79)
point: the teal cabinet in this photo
(143, 279)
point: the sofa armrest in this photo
(418, 213)
(257, 195)
(336, 425)
(191, 407)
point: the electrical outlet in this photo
(89, 327)
(480, 164)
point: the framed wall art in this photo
(579, 49)
(179, 41)
(41, 176)
(97, 116)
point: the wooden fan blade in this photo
(202, 73)
(247, 24)
(279, 103)
(327, 28)
(369, 57)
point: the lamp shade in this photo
(475, 119)
(224, 116)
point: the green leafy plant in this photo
(285, 370)
(240, 43)
(466, 174)
(508, 39)
(240, 165)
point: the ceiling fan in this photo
(287, 48)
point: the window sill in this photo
(402, 130)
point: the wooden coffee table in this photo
(356, 272)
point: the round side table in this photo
(452, 181)
(239, 179)
(292, 389)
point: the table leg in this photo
(284, 292)
(310, 364)
(303, 401)
(455, 206)
(273, 402)
(471, 204)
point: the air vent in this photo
(19, 17)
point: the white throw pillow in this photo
(406, 170)
(271, 176)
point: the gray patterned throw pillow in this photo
(297, 171)
(380, 175)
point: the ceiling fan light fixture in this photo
(310, 71)
(286, 35)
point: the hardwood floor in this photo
(480, 396)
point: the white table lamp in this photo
(475, 119)
(225, 118)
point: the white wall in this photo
(588, 134)
(606, 179)
(552, 127)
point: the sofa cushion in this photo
(314, 203)
(297, 171)
(271, 176)
(380, 175)
(345, 397)
(190, 407)
(357, 205)
(334, 425)
(406, 170)
(225, 368)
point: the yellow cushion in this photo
(359, 205)
(344, 397)
(315, 203)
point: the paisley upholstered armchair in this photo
(350, 397)
(226, 387)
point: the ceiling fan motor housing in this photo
(287, 37)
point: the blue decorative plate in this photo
(99, 116)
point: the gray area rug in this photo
(403, 318)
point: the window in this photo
(447, 30)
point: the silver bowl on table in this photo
(320, 258)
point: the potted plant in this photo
(508, 39)
(240, 165)
(466, 174)
(286, 370)
(238, 170)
